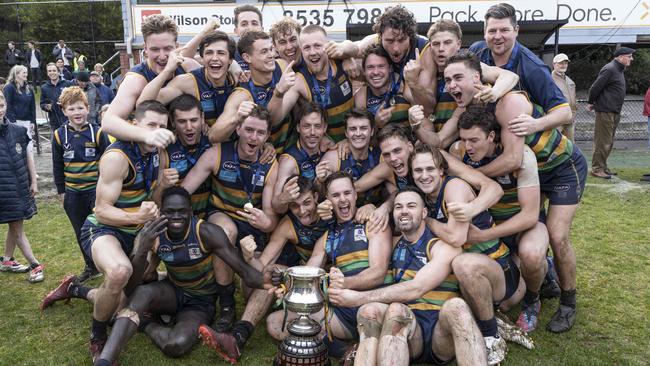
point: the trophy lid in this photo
(305, 272)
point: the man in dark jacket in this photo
(50, 92)
(33, 62)
(13, 56)
(105, 93)
(65, 53)
(606, 97)
(94, 100)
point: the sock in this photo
(79, 291)
(98, 330)
(34, 265)
(144, 321)
(226, 295)
(336, 348)
(102, 362)
(568, 298)
(242, 330)
(531, 297)
(488, 327)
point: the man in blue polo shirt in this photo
(562, 174)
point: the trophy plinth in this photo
(303, 345)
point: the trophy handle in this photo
(324, 287)
(285, 279)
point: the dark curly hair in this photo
(400, 18)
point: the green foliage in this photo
(91, 28)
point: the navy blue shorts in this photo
(185, 301)
(427, 320)
(565, 184)
(511, 275)
(244, 229)
(348, 318)
(90, 232)
(512, 241)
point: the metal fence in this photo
(633, 125)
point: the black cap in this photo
(83, 76)
(624, 51)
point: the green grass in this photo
(611, 235)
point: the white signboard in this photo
(335, 16)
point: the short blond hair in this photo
(71, 95)
(159, 23)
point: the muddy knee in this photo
(398, 317)
(369, 321)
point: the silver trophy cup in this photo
(303, 345)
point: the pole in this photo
(92, 30)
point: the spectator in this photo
(64, 73)
(21, 104)
(64, 53)
(568, 88)
(33, 60)
(17, 190)
(76, 149)
(50, 92)
(105, 93)
(82, 68)
(79, 62)
(3, 81)
(94, 100)
(606, 97)
(13, 56)
(106, 77)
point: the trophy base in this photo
(303, 346)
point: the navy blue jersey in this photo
(212, 98)
(145, 71)
(188, 262)
(79, 153)
(183, 158)
(305, 163)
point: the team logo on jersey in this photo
(261, 95)
(139, 166)
(304, 235)
(177, 156)
(90, 152)
(229, 165)
(373, 101)
(19, 149)
(307, 169)
(67, 146)
(208, 94)
(345, 88)
(320, 90)
(155, 160)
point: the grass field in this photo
(611, 235)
